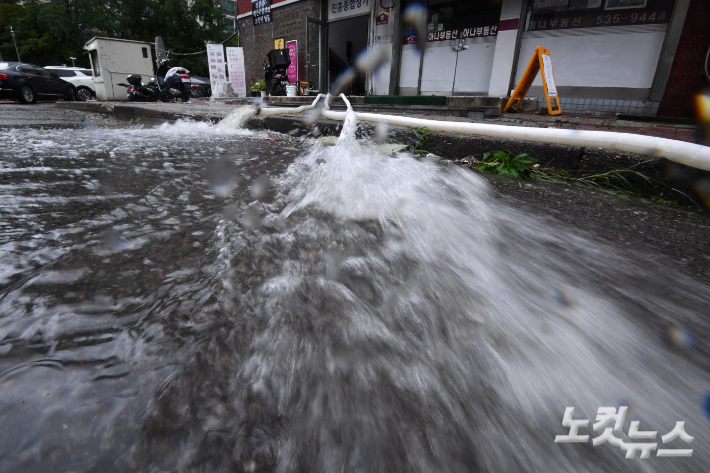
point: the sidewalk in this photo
(202, 110)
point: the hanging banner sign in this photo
(215, 62)
(540, 61)
(347, 8)
(292, 71)
(237, 76)
(261, 11)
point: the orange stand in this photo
(540, 61)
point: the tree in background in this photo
(49, 33)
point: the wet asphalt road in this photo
(152, 290)
(671, 236)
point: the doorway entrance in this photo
(346, 39)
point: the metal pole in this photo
(12, 33)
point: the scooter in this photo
(139, 92)
(275, 74)
(172, 83)
(169, 84)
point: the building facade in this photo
(633, 57)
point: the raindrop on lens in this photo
(415, 15)
(395, 241)
(260, 187)
(676, 336)
(382, 131)
(222, 175)
(561, 298)
(705, 405)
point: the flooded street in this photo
(201, 298)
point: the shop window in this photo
(565, 14)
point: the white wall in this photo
(409, 67)
(473, 68)
(625, 56)
(473, 72)
(438, 68)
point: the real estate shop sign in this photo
(261, 11)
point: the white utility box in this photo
(112, 60)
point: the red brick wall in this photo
(288, 22)
(687, 77)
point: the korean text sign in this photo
(237, 76)
(292, 70)
(261, 11)
(347, 8)
(216, 64)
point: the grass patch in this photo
(523, 166)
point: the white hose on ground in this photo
(288, 110)
(682, 152)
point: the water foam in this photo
(414, 323)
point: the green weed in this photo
(422, 136)
(505, 164)
(523, 166)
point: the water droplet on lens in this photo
(260, 187)
(382, 131)
(705, 405)
(395, 241)
(561, 297)
(223, 177)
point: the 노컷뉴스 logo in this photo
(642, 441)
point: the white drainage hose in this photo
(690, 154)
(288, 110)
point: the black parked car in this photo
(27, 82)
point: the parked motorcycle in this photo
(170, 83)
(275, 72)
(139, 92)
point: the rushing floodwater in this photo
(195, 297)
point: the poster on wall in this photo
(237, 76)
(347, 8)
(292, 70)
(215, 62)
(620, 4)
(261, 11)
